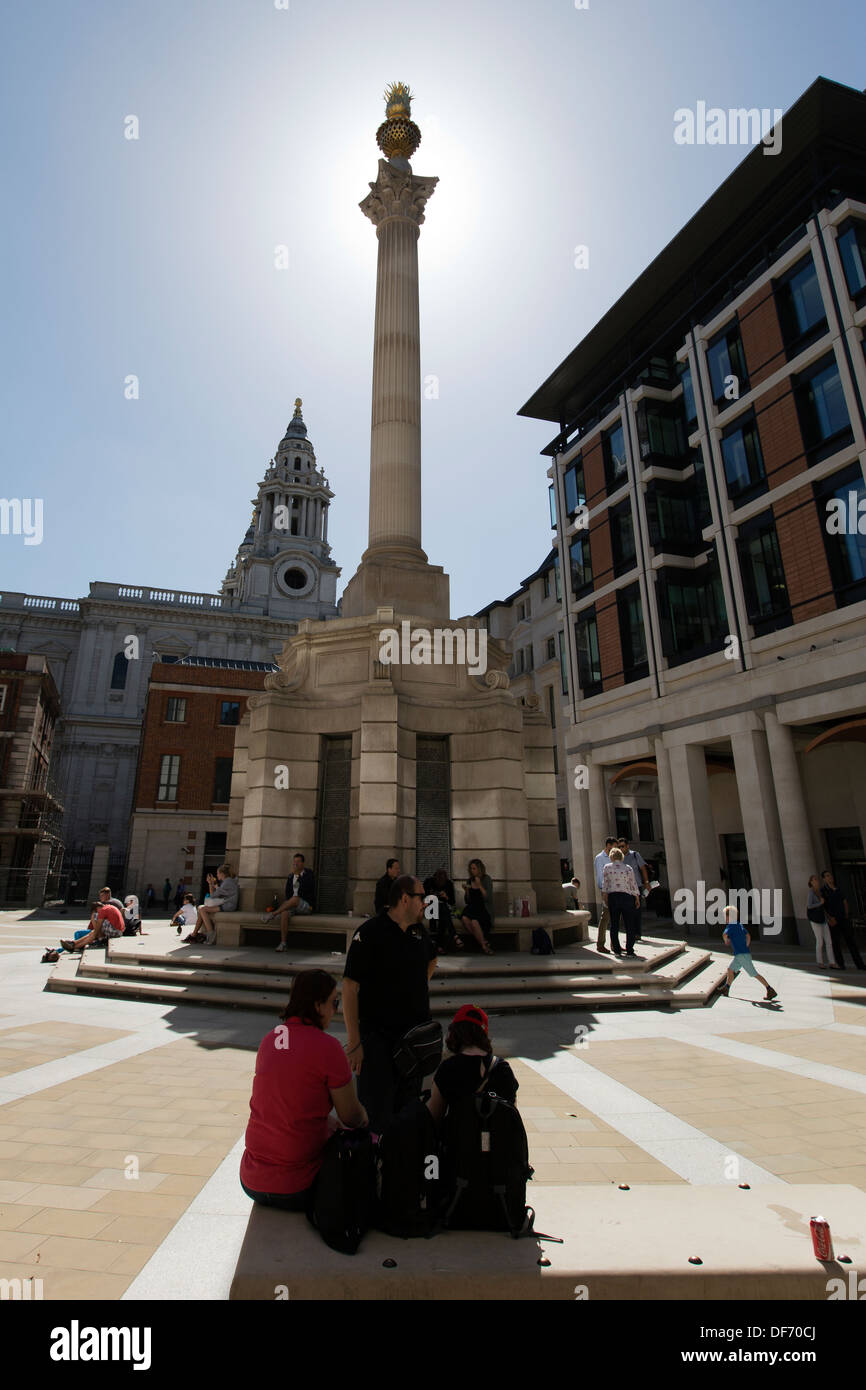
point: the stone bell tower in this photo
(283, 568)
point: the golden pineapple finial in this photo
(297, 414)
(398, 136)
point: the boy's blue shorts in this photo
(744, 962)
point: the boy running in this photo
(739, 940)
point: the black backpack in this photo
(409, 1185)
(541, 942)
(485, 1164)
(343, 1203)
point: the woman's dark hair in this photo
(440, 880)
(467, 1034)
(309, 988)
(481, 869)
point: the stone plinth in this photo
(333, 686)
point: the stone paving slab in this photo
(33, 1044)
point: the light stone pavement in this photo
(121, 1123)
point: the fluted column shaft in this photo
(395, 429)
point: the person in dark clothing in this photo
(836, 907)
(300, 897)
(462, 1072)
(383, 886)
(478, 913)
(166, 894)
(439, 886)
(385, 994)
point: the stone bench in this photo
(243, 928)
(753, 1244)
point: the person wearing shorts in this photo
(739, 940)
(300, 891)
(107, 921)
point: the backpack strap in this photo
(490, 1065)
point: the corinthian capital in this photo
(397, 193)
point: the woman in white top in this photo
(621, 896)
(816, 912)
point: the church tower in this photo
(283, 568)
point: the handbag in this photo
(419, 1052)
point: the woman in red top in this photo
(301, 1073)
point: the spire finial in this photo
(297, 414)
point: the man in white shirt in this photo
(602, 858)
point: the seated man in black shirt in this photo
(383, 886)
(385, 993)
(461, 1073)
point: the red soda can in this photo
(822, 1241)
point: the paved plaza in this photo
(121, 1123)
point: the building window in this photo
(821, 407)
(517, 663)
(222, 781)
(551, 706)
(644, 825)
(588, 658)
(555, 761)
(800, 307)
(551, 649)
(675, 517)
(230, 712)
(632, 633)
(169, 772)
(575, 491)
(661, 433)
(841, 504)
(175, 711)
(3, 689)
(623, 822)
(528, 658)
(551, 497)
(622, 539)
(852, 250)
(744, 461)
(690, 410)
(691, 612)
(615, 465)
(545, 580)
(563, 663)
(297, 464)
(557, 579)
(767, 601)
(581, 565)
(119, 671)
(725, 359)
(562, 820)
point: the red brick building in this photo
(31, 848)
(183, 782)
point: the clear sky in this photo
(548, 126)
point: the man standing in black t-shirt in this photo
(385, 993)
(836, 907)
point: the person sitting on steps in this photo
(300, 895)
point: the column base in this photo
(410, 586)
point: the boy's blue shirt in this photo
(737, 938)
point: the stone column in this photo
(757, 795)
(797, 845)
(667, 803)
(98, 871)
(699, 844)
(394, 568)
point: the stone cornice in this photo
(397, 193)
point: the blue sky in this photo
(547, 126)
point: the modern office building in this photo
(529, 623)
(708, 474)
(101, 648)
